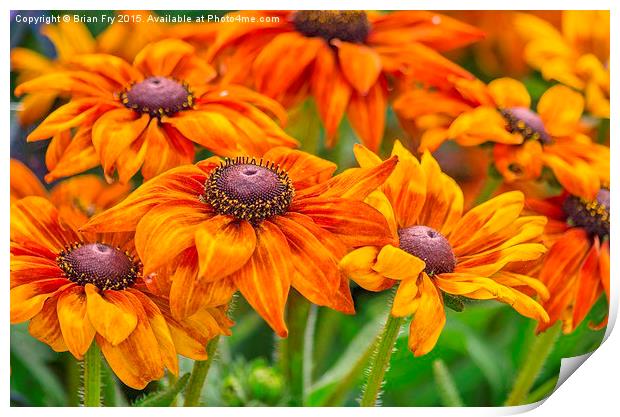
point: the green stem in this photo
(448, 392)
(199, 375)
(92, 377)
(293, 349)
(540, 349)
(380, 361)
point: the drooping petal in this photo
(224, 245)
(588, 284)
(406, 299)
(76, 328)
(264, 280)
(367, 114)
(395, 263)
(110, 312)
(27, 300)
(360, 64)
(45, 327)
(429, 318)
(358, 265)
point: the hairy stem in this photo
(293, 348)
(537, 355)
(92, 376)
(380, 360)
(199, 375)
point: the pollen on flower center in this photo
(104, 266)
(248, 189)
(346, 25)
(524, 121)
(158, 96)
(593, 216)
(429, 245)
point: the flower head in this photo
(439, 250)
(70, 39)
(577, 55)
(576, 267)
(344, 59)
(148, 116)
(77, 198)
(263, 225)
(82, 288)
(525, 141)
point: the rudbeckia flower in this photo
(263, 224)
(439, 250)
(80, 288)
(577, 55)
(76, 198)
(71, 38)
(576, 267)
(150, 114)
(524, 140)
(343, 59)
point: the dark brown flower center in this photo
(429, 245)
(346, 25)
(249, 190)
(524, 121)
(593, 216)
(158, 96)
(104, 266)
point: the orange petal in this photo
(519, 162)
(137, 359)
(77, 156)
(167, 230)
(77, 330)
(24, 182)
(429, 318)
(264, 280)
(483, 124)
(111, 314)
(588, 284)
(358, 265)
(560, 108)
(223, 246)
(406, 298)
(26, 268)
(315, 267)
(367, 114)
(395, 263)
(330, 90)
(508, 92)
(114, 132)
(160, 330)
(45, 327)
(279, 64)
(161, 58)
(360, 65)
(354, 183)
(303, 169)
(209, 129)
(27, 300)
(354, 222)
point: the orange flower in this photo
(149, 115)
(501, 51)
(343, 59)
(76, 198)
(78, 287)
(577, 56)
(264, 225)
(576, 268)
(439, 251)
(524, 141)
(71, 39)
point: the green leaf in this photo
(448, 392)
(164, 397)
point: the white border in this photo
(592, 390)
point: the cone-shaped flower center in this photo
(429, 245)
(249, 190)
(524, 121)
(346, 25)
(104, 266)
(593, 216)
(158, 96)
